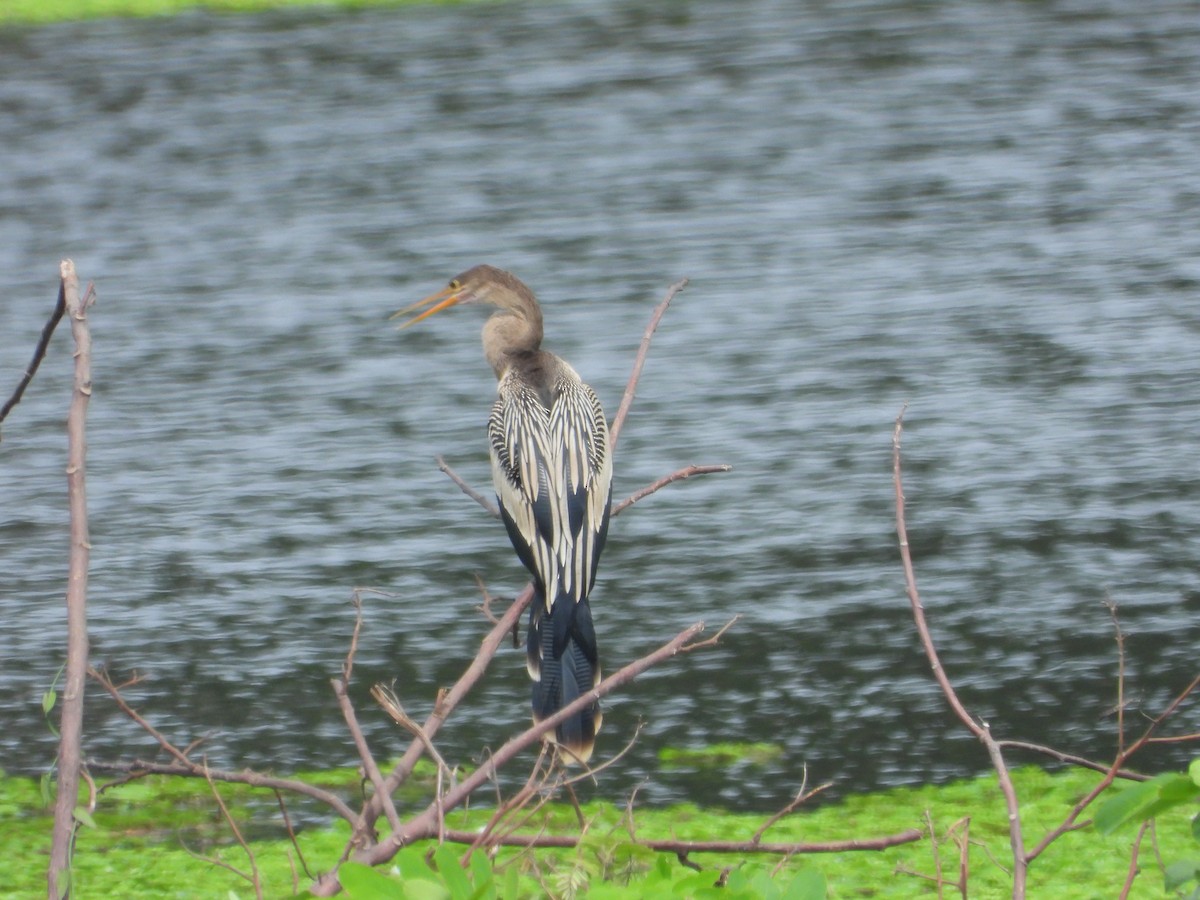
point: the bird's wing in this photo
(525, 472)
(579, 431)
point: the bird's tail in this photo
(565, 665)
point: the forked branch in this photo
(979, 729)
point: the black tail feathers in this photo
(564, 664)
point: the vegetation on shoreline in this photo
(43, 12)
(156, 837)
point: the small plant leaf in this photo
(83, 817)
(452, 873)
(1180, 873)
(48, 700)
(1194, 770)
(1145, 800)
(481, 875)
(807, 885)
(361, 882)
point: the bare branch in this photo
(1080, 761)
(71, 723)
(253, 878)
(618, 421)
(341, 690)
(141, 768)
(287, 823)
(802, 797)
(1175, 739)
(39, 351)
(387, 699)
(425, 823)
(677, 846)
(686, 472)
(1120, 638)
(1134, 868)
(1071, 823)
(467, 489)
(980, 730)
(451, 698)
(105, 682)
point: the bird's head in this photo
(479, 284)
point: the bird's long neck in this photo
(509, 334)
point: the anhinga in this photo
(552, 469)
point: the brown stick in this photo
(448, 701)
(674, 845)
(425, 824)
(483, 501)
(341, 690)
(686, 472)
(141, 767)
(1134, 868)
(71, 725)
(39, 353)
(253, 876)
(980, 730)
(1071, 823)
(614, 431)
(1074, 760)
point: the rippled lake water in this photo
(987, 211)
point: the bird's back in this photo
(552, 470)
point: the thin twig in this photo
(1175, 739)
(287, 823)
(105, 682)
(451, 698)
(686, 472)
(425, 824)
(39, 351)
(802, 797)
(1071, 823)
(387, 699)
(341, 690)
(1080, 761)
(1120, 638)
(1134, 868)
(141, 768)
(614, 431)
(483, 501)
(237, 833)
(979, 729)
(675, 845)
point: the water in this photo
(984, 210)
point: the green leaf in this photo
(446, 858)
(1196, 827)
(1194, 770)
(361, 882)
(1180, 873)
(83, 817)
(1146, 800)
(807, 885)
(481, 875)
(48, 700)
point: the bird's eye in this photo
(455, 284)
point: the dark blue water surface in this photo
(987, 210)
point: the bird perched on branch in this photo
(552, 469)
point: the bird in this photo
(552, 471)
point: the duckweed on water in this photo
(144, 830)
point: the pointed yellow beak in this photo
(443, 299)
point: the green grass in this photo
(40, 12)
(137, 849)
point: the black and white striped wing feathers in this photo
(552, 472)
